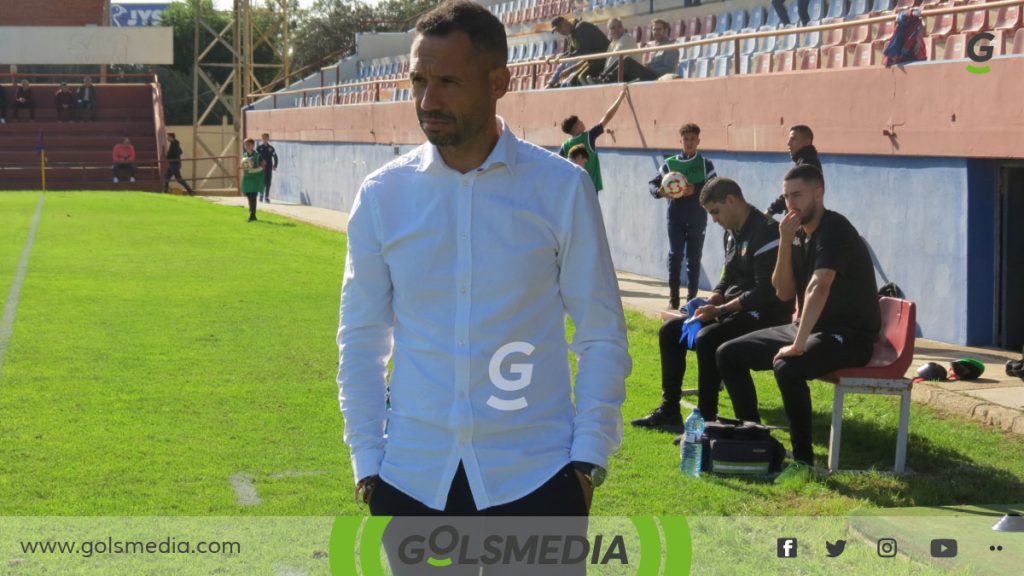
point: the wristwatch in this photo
(594, 473)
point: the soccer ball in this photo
(674, 185)
(246, 164)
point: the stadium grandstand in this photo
(926, 158)
(47, 47)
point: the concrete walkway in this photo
(995, 399)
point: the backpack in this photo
(736, 448)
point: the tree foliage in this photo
(331, 25)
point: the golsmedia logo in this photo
(980, 53)
(523, 373)
(362, 546)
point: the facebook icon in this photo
(787, 547)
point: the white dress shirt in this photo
(466, 280)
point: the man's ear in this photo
(500, 78)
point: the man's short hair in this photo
(486, 33)
(249, 140)
(718, 188)
(689, 128)
(170, 134)
(568, 123)
(803, 130)
(265, 135)
(659, 22)
(579, 150)
(557, 22)
(806, 172)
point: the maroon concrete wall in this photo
(63, 13)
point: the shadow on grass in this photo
(281, 224)
(637, 294)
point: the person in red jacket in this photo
(124, 159)
(64, 100)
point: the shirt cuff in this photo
(589, 449)
(366, 463)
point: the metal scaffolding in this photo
(248, 28)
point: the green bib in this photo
(593, 165)
(694, 168)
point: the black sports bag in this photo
(735, 448)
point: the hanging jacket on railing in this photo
(907, 44)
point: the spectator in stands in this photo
(269, 156)
(252, 175)
(743, 301)
(124, 159)
(456, 443)
(802, 9)
(23, 100)
(824, 263)
(64, 100)
(3, 105)
(802, 151)
(687, 221)
(620, 41)
(578, 134)
(174, 165)
(579, 156)
(86, 99)
(584, 38)
(662, 62)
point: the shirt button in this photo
(462, 342)
(462, 290)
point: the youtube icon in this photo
(943, 548)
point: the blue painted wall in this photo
(914, 213)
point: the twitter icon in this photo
(835, 549)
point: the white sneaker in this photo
(132, 179)
(116, 180)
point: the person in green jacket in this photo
(252, 175)
(579, 134)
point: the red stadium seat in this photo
(863, 55)
(784, 61)
(707, 23)
(1018, 42)
(835, 57)
(883, 34)
(693, 27)
(1009, 18)
(955, 47)
(807, 59)
(859, 34)
(975, 22)
(941, 26)
(835, 37)
(678, 29)
(762, 63)
(638, 33)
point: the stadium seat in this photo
(955, 47)
(783, 60)
(1009, 18)
(816, 9)
(694, 52)
(837, 9)
(693, 26)
(903, 5)
(638, 34)
(810, 39)
(787, 42)
(722, 67)
(834, 37)
(1018, 42)
(722, 22)
(807, 59)
(738, 20)
(879, 7)
(862, 55)
(711, 50)
(793, 9)
(702, 68)
(859, 34)
(707, 23)
(975, 22)
(858, 8)
(835, 57)
(758, 17)
(941, 26)
(762, 63)
(881, 34)
(679, 29)
(772, 17)
(884, 374)
(728, 45)
(766, 43)
(749, 45)
(684, 67)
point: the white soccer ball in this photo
(674, 185)
(246, 164)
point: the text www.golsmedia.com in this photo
(87, 548)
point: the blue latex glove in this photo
(691, 326)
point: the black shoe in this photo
(252, 218)
(661, 420)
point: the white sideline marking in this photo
(245, 489)
(11, 304)
(292, 572)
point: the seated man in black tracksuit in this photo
(743, 301)
(824, 262)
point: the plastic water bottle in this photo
(691, 445)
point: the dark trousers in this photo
(64, 113)
(174, 171)
(124, 166)
(631, 70)
(684, 238)
(268, 175)
(561, 495)
(252, 203)
(802, 5)
(825, 352)
(709, 339)
(26, 106)
(85, 105)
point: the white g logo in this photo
(524, 371)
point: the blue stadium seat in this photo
(837, 8)
(787, 42)
(793, 9)
(683, 70)
(773, 18)
(702, 68)
(728, 46)
(882, 5)
(694, 52)
(738, 20)
(810, 39)
(858, 7)
(722, 67)
(758, 17)
(816, 9)
(766, 43)
(722, 22)
(748, 46)
(711, 50)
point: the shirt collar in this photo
(504, 153)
